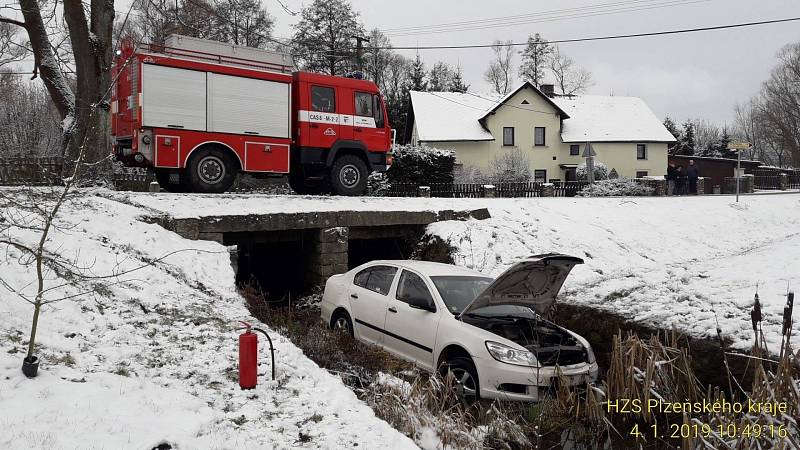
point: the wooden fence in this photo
(568, 188)
(31, 171)
(517, 190)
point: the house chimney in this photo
(548, 90)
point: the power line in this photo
(517, 16)
(594, 38)
(554, 18)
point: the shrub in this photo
(421, 165)
(512, 166)
(616, 187)
(600, 171)
(470, 175)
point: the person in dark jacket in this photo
(692, 173)
(680, 180)
(672, 175)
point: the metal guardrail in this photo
(478, 190)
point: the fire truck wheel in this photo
(211, 170)
(349, 175)
(163, 178)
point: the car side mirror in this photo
(420, 303)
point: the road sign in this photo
(739, 146)
(588, 151)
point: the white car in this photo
(487, 332)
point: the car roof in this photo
(431, 268)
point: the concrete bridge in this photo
(292, 251)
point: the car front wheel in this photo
(465, 378)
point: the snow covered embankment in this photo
(656, 261)
(150, 357)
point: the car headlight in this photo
(508, 355)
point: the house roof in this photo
(452, 116)
(596, 118)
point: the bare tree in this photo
(570, 79)
(29, 124)
(378, 56)
(499, 73)
(89, 30)
(748, 127)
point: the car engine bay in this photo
(551, 344)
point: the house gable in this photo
(511, 99)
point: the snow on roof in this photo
(450, 116)
(597, 118)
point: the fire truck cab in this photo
(199, 112)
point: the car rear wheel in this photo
(341, 322)
(465, 378)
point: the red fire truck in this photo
(198, 112)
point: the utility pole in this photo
(589, 154)
(360, 51)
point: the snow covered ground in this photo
(153, 357)
(683, 261)
(660, 261)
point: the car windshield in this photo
(458, 292)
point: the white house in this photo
(549, 130)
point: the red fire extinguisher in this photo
(248, 356)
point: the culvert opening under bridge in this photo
(284, 266)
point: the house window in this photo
(538, 136)
(641, 151)
(574, 150)
(323, 99)
(539, 176)
(508, 136)
(641, 174)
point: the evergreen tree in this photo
(440, 77)
(323, 38)
(686, 145)
(720, 145)
(673, 129)
(458, 84)
(535, 59)
(417, 75)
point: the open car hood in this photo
(533, 282)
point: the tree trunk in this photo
(92, 46)
(84, 113)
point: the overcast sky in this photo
(698, 75)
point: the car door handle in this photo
(354, 295)
(313, 125)
(358, 130)
(392, 309)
